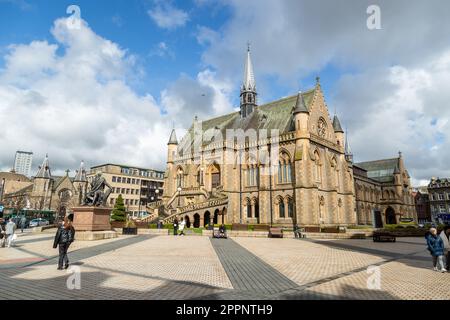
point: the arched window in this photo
(180, 178)
(284, 169)
(290, 207)
(281, 212)
(200, 176)
(249, 208)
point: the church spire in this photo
(248, 89)
(81, 173)
(44, 169)
(249, 77)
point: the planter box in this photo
(117, 224)
(129, 231)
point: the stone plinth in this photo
(91, 219)
(95, 235)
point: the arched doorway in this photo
(224, 212)
(390, 216)
(196, 220)
(378, 220)
(216, 216)
(257, 210)
(188, 221)
(214, 170)
(206, 218)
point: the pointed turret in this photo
(248, 89)
(300, 106)
(173, 138)
(44, 169)
(337, 124)
(348, 150)
(338, 130)
(81, 173)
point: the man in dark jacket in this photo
(436, 247)
(64, 237)
(175, 227)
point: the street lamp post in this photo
(157, 192)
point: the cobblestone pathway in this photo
(186, 268)
(247, 272)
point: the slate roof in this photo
(12, 176)
(337, 124)
(173, 138)
(276, 115)
(380, 170)
(44, 170)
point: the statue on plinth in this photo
(99, 192)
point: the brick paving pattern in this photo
(168, 267)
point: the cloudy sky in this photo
(111, 88)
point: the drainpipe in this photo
(270, 185)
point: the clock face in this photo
(321, 128)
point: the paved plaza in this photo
(196, 267)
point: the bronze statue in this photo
(99, 192)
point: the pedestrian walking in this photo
(444, 236)
(436, 247)
(175, 227)
(23, 222)
(182, 225)
(2, 233)
(10, 230)
(63, 238)
(296, 231)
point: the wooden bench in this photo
(261, 227)
(275, 233)
(383, 237)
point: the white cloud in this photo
(400, 109)
(166, 16)
(162, 50)
(72, 99)
(394, 96)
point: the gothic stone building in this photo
(383, 192)
(311, 182)
(45, 192)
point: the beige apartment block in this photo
(139, 187)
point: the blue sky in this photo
(141, 65)
(125, 22)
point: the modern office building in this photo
(138, 186)
(23, 162)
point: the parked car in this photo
(39, 222)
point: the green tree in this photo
(118, 213)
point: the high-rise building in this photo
(22, 162)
